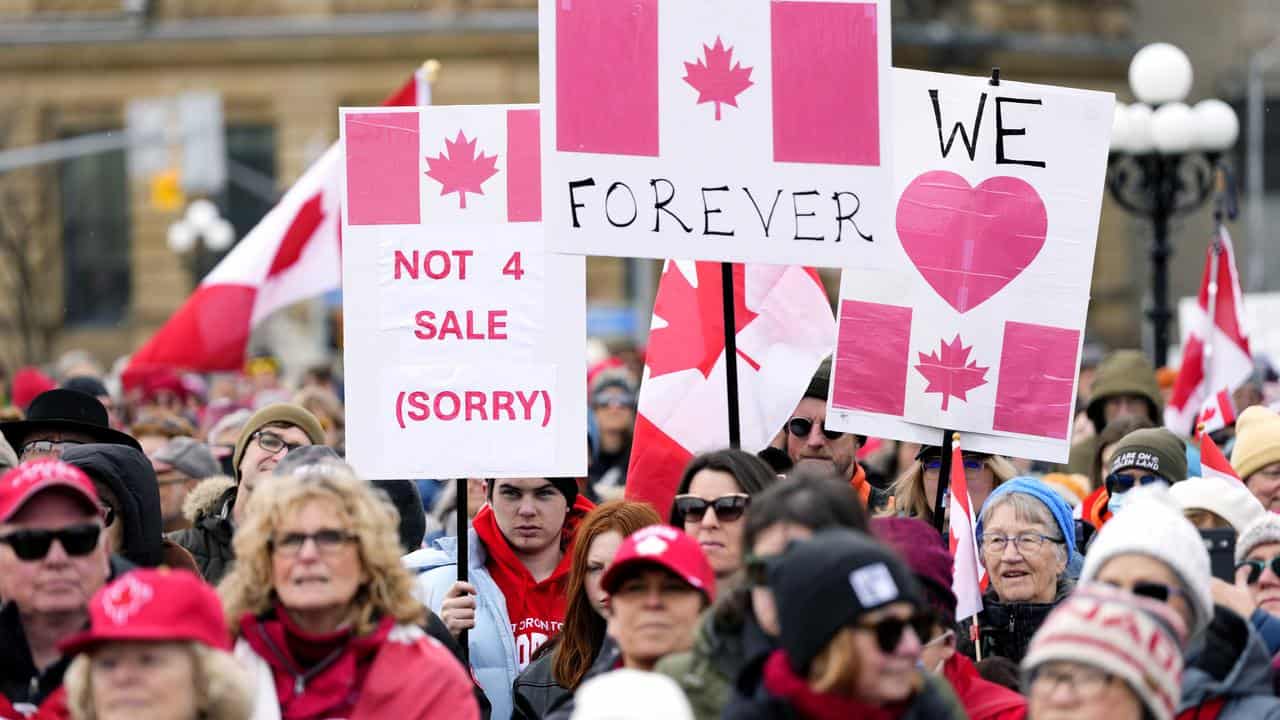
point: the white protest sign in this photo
(744, 130)
(464, 339)
(972, 316)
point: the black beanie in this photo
(568, 487)
(403, 494)
(827, 582)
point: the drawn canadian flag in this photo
(784, 327)
(291, 255)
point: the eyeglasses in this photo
(273, 443)
(76, 541)
(46, 447)
(327, 541)
(1257, 566)
(889, 631)
(802, 426)
(1117, 483)
(1026, 543)
(1150, 590)
(1085, 682)
(970, 463)
(692, 508)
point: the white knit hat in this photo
(1266, 529)
(1152, 524)
(1227, 499)
(630, 695)
(1134, 638)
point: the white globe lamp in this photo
(1217, 126)
(1173, 128)
(1160, 73)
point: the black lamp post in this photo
(1163, 161)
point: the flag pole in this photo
(944, 482)
(730, 353)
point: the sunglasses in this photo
(970, 463)
(46, 447)
(692, 508)
(1117, 483)
(1257, 566)
(614, 401)
(1152, 590)
(889, 631)
(76, 541)
(801, 427)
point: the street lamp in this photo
(1164, 155)
(201, 222)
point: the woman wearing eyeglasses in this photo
(563, 663)
(712, 497)
(1258, 561)
(322, 608)
(915, 491)
(1026, 541)
(1152, 551)
(737, 635)
(852, 617)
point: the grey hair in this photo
(1028, 509)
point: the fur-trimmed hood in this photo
(207, 498)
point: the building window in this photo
(251, 149)
(94, 195)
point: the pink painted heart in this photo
(970, 242)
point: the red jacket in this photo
(982, 699)
(536, 609)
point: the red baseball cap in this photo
(29, 479)
(665, 547)
(153, 604)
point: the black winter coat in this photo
(1006, 628)
(935, 701)
(536, 691)
(208, 506)
(129, 475)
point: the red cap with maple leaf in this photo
(667, 548)
(29, 479)
(159, 604)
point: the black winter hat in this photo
(67, 411)
(403, 494)
(827, 582)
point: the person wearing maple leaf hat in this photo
(809, 442)
(520, 553)
(53, 558)
(157, 639)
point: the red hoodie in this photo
(536, 609)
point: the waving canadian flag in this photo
(291, 255)
(784, 328)
(968, 579)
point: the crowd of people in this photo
(179, 547)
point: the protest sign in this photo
(464, 339)
(971, 316)
(743, 130)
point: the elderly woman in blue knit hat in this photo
(1026, 540)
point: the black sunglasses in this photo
(692, 508)
(1152, 590)
(1117, 483)
(1257, 566)
(889, 631)
(802, 426)
(76, 540)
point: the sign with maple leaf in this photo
(460, 170)
(787, 166)
(971, 315)
(471, 335)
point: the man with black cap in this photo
(216, 507)
(518, 572)
(809, 442)
(59, 418)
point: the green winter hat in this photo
(290, 413)
(1125, 372)
(1154, 449)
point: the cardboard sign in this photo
(465, 340)
(744, 130)
(972, 317)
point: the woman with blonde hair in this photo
(915, 490)
(322, 609)
(562, 663)
(852, 620)
(157, 645)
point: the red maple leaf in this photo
(461, 172)
(947, 372)
(694, 335)
(715, 81)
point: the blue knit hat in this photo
(1058, 507)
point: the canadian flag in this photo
(1212, 462)
(1217, 412)
(293, 254)
(967, 581)
(1215, 349)
(784, 329)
